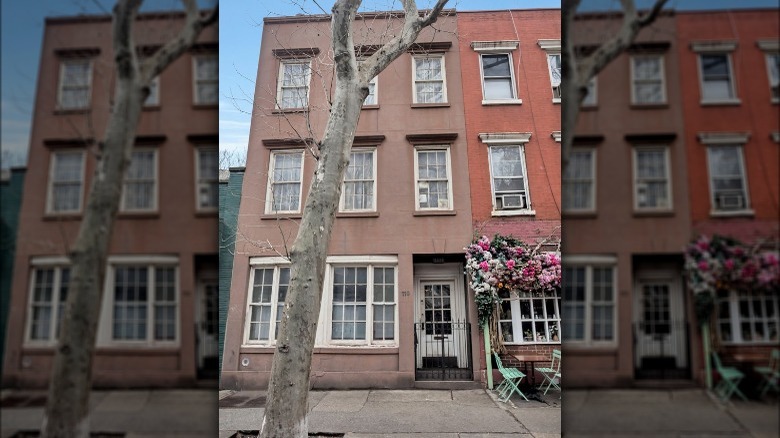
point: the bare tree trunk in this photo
(288, 391)
(67, 408)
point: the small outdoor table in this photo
(531, 358)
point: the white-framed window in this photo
(652, 178)
(207, 178)
(293, 84)
(748, 317)
(554, 64)
(359, 190)
(139, 192)
(589, 304)
(153, 99)
(285, 182)
(717, 78)
(728, 182)
(267, 291)
(648, 85)
(591, 96)
(498, 78)
(433, 183)
(773, 70)
(579, 181)
(143, 301)
(48, 294)
(362, 305)
(529, 319)
(206, 79)
(508, 178)
(74, 89)
(430, 79)
(66, 182)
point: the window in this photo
(207, 178)
(206, 79)
(75, 81)
(554, 62)
(748, 317)
(430, 85)
(529, 318)
(728, 186)
(144, 303)
(647, 80)
(373, 91)
(432, 170)
(284, 190)
(652, 188)
(48, 294)
(153, 99)
(497, 77)
(579, 181)
(359, 182)
(773, 68)
(589, 294)
(363, 304)
(717, 84)
(139, 192)
(268, 289)
(293, 87)
(591, 96)
(508, 178)
(67, 176)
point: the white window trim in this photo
(153, 100)
(195, 79)
(105, 329)
(590, 262)
(735, 100)
(280, 78)
(44, 263)
(735, 319)
(61, 83)
(767, 57)
(50, 190)
(155, 193)
(373, 208)
(198, 206)
(593, 197)
(269, 203)
(450, 197)
(445, 99)
(511, 212)
(745, 211)
(662, 69)
(668, 176)
(514, 100)
(595, 94)
(556, 135)
(268, 263)
(552, 47)
(517, 319)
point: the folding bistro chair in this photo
(770, 374)
(729, 380)
(512, 378)
(552, 372)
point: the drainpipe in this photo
(705, 333)
(486, 332)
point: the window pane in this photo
(495, 65)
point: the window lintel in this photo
(494, 46)
(768, 45)
(709, 138)
(713, 46)
(505, 137)
(550, 45)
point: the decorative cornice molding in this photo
(769, 45)
(709, 138)
(494, 46)
(368, 140)
(556, 135)
(432, 47)
(713, 46)
(150, 139)
(77, 52)
(505, 137)
(550, 45)
(295, 53)
(210, 47)
(287, 143)
(54, 143)
(650, 47)
(203, 138)
(588, 139)
(447, 137)
(655, 137)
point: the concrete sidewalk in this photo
(406, 413)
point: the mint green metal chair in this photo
(552, 372)
(729, 380)
(770, 374)
(512, 378)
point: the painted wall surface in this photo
(175, 229)
(229, 200)
(11, 186)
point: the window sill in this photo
(584, 214)
(357, 214)
(434, 213)
(556, 100)
(653, 213)
(207, 213)
(734, 213)
(503, 102)
(205, 106)
(496, 213)
(138, 215)
(370, 107)
(721, 102)
(62, 216)
(430, 105)
(62, 112)
(281, 111)
(649, 106)
(272, 216)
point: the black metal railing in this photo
(661, 350)
(442, 351)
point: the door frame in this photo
(209, 277)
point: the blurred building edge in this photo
(230, 181)
(158, 323)
(677, 138)
(11, 182)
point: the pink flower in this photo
(728, 264)
(703, 265)
(510, 264)
(484, 266)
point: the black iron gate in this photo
(442, 350)
(661, 350)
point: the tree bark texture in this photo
(67, 408)
(288, 391)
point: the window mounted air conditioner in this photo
(510, 202)
(731, 202)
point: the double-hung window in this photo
(285, 184)
(433, 180)
(579, 181)
(66, 182)
(589, 303)
(553, 49)
(48, 293)
(728, 185)
(430, 84)
(771, 49)
(647, 80)
(293, 87)
(267, 292)
(497, 71)
(716, 72)
(748, 317)
(359, 190)
(207, 175)
(529, 318)
(652, 181)
(206, 69)
(363, 304)
(139, 192)
(153, 99)
(144, 303)
(75, 84)
(508, 178)
(591, 95)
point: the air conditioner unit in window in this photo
(507, 202)
(731, 202)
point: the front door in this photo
(208, 320)
(660, 332)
